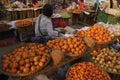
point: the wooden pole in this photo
(97, 6)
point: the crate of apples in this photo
(72, 46)
(86, 71)
(98, 33)
(108, 59)
(25, 60)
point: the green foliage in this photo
(65, 15)
(102, 17)
(112, 19)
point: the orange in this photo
(71, 46)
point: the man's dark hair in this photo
(1, 5)
(82, 0)
(48, 10)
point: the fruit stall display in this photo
(76, 11)
(108, 59)
(98, 33)
(32, 58)
(25, 60)
(72, 46)
(86, 71)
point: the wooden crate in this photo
(22, 14)
(114, 76)
(37, 12)
(14, 15)
(30, 13)
(25, 32)
(9, 17)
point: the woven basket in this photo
(23, 36)
(14, 15)
(101, 67)
(25, 32)
(76, 65)
(79, 54)
(30, 73)
(106, 69)
(22, 14)
(30, 13)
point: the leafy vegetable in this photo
(102, 17)
(65, 15)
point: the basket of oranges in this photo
(98, 33)
(72, 46)
(23, 23)
(25, 60)
(86, 70)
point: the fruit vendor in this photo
(76, 1)
(43, 24)
(81, 4)
(1, 5)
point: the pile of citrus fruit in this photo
(86, 71)
(25, 59)
(70, 45)
(98, 33)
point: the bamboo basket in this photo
(80, 63)
(37, 13)
(25, 32)
(30, 13)
(112, 73)
(79, 54)
(22, 14)
(14, 15)
(25, 29)
(28, 75)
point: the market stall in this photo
(100, 41)
(16, 14)
(70, 51)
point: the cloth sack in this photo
(40, 39)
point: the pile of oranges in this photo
(25, 59)
(36, 5)
(98, 33)
(70, 45)
(23, 23)
(86, 71)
